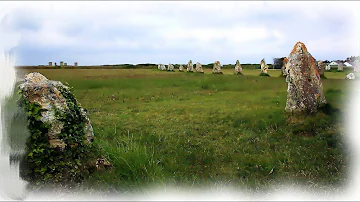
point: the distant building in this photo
(335, 65)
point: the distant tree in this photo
(278, 62)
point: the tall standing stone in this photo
(238, 68)
(217, 68)
(199, 68)
(190, 67)
(305, 91)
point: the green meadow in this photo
(161, 128)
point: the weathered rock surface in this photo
(199, 68)
(52, 97)
(305, 91)
(238, 68)
(217, 68)
(350, 76)
(190, 67)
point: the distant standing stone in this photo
(350, 76)
(238, 68)
(264, 67)
(170, 67)
(283, 72)
(181, 68)
(321, 67)
(217, 68)
(305, 90)
(190, 67)
(199, 68)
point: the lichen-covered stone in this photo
(217, 68)
(238, 68)
(190, 67)
(199, 68)
(49, 94)
(305, 91)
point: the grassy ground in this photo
(189, 129)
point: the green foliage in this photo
(42, 163)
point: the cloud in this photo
(178, 31)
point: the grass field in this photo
(187, 129)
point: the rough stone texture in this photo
(199, 68)
(38, 89)
(181, 68)
(159, 66)
(170, 67)
(321, 67)
(238, 68)
(305, 91)
(350, 76)
(190, 67)
(217, 68)
(284, 67)
(264, 67)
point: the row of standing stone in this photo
(216, 67)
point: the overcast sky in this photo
(118, 32)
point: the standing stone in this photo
(350, 76)
(170, 67)
(199, 68)
(75, 64)
(51, 105)
(321, 67)
(61, 63)
(340, 67)
(159, 66)
(217, 68)
(356, 65)
(305, 91)
(162, 67)
(50, 64)
(238, 68)
(264, 67)
(190, 67)
(181, 68)
(283, 72)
